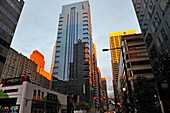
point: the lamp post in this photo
(125, 69)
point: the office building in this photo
(104, 94)
(100, 87)
(96, 79)
(10, 11)
(21, 96)
(115, 44)
(18, 65)
(136, 58)
(74, 25)
(38, 59)
(154, 20)
(80, 79)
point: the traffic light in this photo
(119, 104)
(94, 98)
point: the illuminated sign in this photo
(14, 109)
(10, 109)
(12, 81)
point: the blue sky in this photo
(37, 28)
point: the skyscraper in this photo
(74, 25)
(154, 20)
(96, 78)
(18, 65)
(115, 44)
(10, 11)
(38, 58)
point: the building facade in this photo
(154, 20)
(19, 95)
(136, 59)
(96, 79)
(38, 59)
(104, 94)
(100, 86)
(18, 65)
(80, 79)
(115, 44)
(10, 11)
(74, 25)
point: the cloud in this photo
(38, 23)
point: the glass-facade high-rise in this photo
(74, 25)
(10, 11)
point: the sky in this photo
(38, 24)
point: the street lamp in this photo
(124, 89)
(125, 69)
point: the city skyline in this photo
(39, 26)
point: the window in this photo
(57, 56)
(85, 37)
(56, 61)
(1, 49)
(85, 13)
(85, 24)
(153, 27)
(61, 17)
(58, 41)
(85, 20)
(85, 16)
(73, 9)
(85, 33)
(157, 19)
(163, 4)
(86, 42)
(55, 73)
(59, 33)
(10, 90)
(58, 46)
(13, 6)
(4, 43)
(8, 15)
(5, 28)
(168, 21)
(164, 34)
(57, 51)
(58, 37)
(85, 29)
(56, 67)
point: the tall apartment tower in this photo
(154, 20)
(74, 25)
(136, 59)
(10, 11)
(18, 65)
(115, 42)
(80, 81)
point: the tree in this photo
(162, 77)
(143, 97)
(82, 106)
